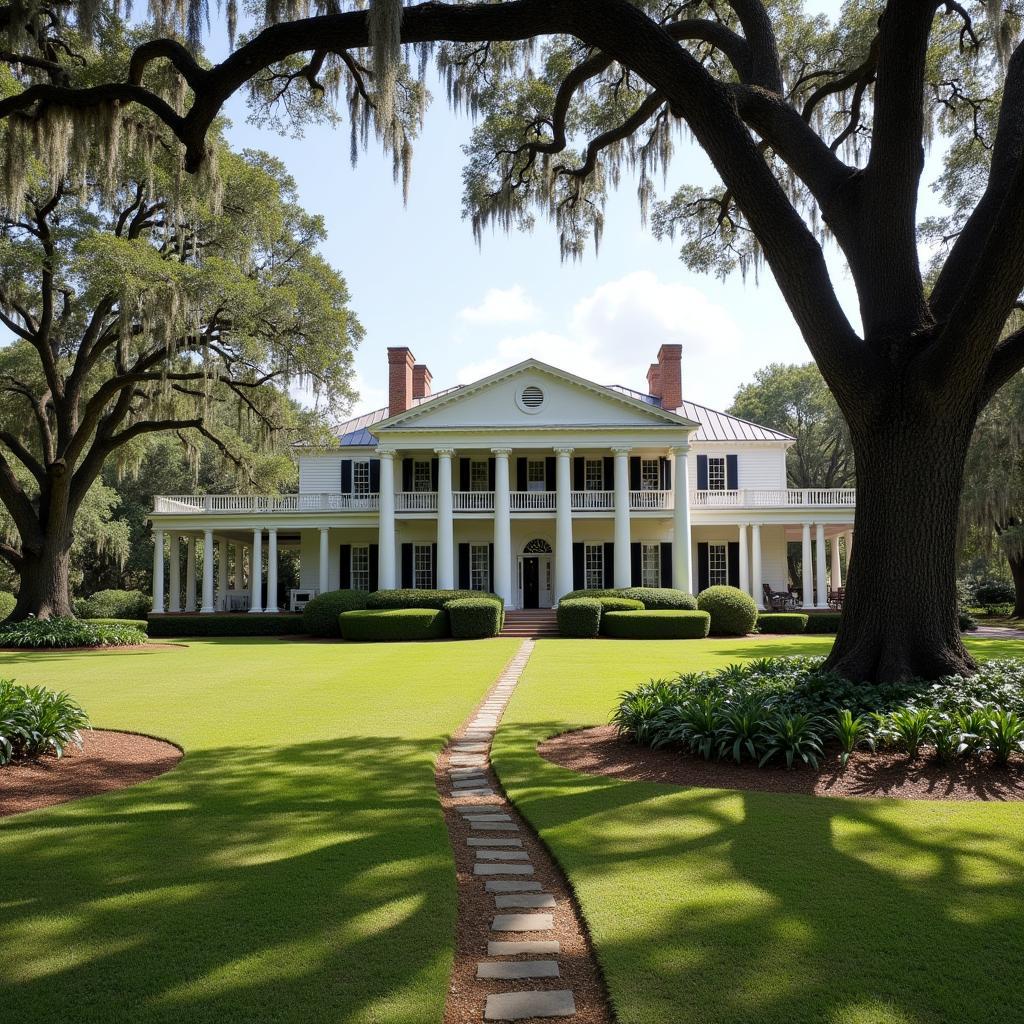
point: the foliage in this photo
(1005, 734)
(619, 604)
(35, 720)
(781, 622)
(967, 622)
(7, 602)
(235, 624)
(733, 612)
(994, 592)
(114, 604)
(395, 624)
(791, 736)
(62, 632)
(579, 617)
(662, 598)
(320, 616)
(906, 728)
(409, 598)
(823, 622)
(852, 731)
(140, 624)
(656, 625)
(475, 618)
(593, 595)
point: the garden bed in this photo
(108, 760)
(600, 751)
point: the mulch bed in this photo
(108, 760)
(599, 751)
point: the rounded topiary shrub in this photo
(475, 618)
(663, 624)
(575, 595)
(662, 598)
(781, 622)
(320, 616)
(7, 603)
(619, 604)
(390, 624)
(579, 617)
(733, 612)
(114, 604)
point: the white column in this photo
(819, 564)
(325, 561)
(744, 560)
(386, 521)
(682, 572)
(563, 522)
(222, 575)
(445, 520)
(174, 571)
(623, 562)
(256, 572)
(158, 571)
(272, 570)
(756, 578)
(207, 605)
(502, 581)
(190, 573)
(837, 569)
(807, 569)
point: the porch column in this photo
(682, 572)
(756, 579)
(621, 536)
(256, 572)
(445, 520)
(563, 522)
(190, 573)
(158, 571)
(806, 569)
(174, 583)
(837, 570)
(222, 575)
(819, 564)
(386, 521)
(744, 560)
(272, 570)
(502, 581)
(325, 561)
(207, 605)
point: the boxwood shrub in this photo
(733, 612)
(422, 598)
(781, 622)
(7, 603)
(320, 616)
(579, 617)
(576, 595)
(662, 598)
(619, 604)
(475, 618)
(230, 624)
(394, 624)
(114, 604)
(823, 622)
(659, 624)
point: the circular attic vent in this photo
(531, 398)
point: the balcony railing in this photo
(593, 501)
(831, 497)
(533, 501)
(416, 501)
(473, 501)
(228, 503)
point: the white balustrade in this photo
(473, 501)
(831, 497)
(533, 501)
(234, 503)
(593, 501)
(416, 501)
(640, 501)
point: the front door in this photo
(531, 582)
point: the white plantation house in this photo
(531, 482)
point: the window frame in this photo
(718, 476)
(532, 465)
(422, 551)
(359, 553)
(593, 566)
(418, 476)
(650, 565)
(479, 475)
(361, 477)
(595, 481)
(480, 575)
(718, 565)
(650, 474)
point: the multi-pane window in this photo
(718, 565)
(422, 566)
(361, 476)
(479, 567)
(650, 565)
(716, 473)
(360, 566)
(536, 477)
(593, 564)
(421, 477)
(479, 477)
(594, 477)
(650, 475)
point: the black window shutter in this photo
(579, 473)
(375, 476)
(666, 474)
(491, 475)
(636, 572)
(666, 565)
(374, 567)
(609, 473)
(521, 478)
(464, 567)
(634, 472)
(703, 567)
(433, 474)
(734, 563)
(406, 474)
(609, 564)
(549, 473)
(463, 474)
(433, 567)
(346, 476)
(702, 472)
(345, 560)
(490, 566)
(732, 474)
(577, 566)
(406, 566)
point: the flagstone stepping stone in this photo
(490, 815)
(474, 792)
(473, 782)
(475, 810)
(509, 970)
(515, 947)
(494, 826)
(502, 869)
(484, 841)
(502, 855)
(525, 901)
(469, 748)
(465, 761)
(463, 773)
(524, 1005)
(512, 885)
(523, 923)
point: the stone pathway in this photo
(522, 949)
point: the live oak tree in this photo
(816, 130)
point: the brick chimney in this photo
(421, 378)
(654, 380)
(667, 373)
(400, 364)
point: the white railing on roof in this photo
(473, 501)
(830, 497)
(416, 501)
(533, 501)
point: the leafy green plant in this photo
(35, 720)
(114, 604)
(7, 603)
(63, 633)
(732, 611)
(792, 736)
(740, 728)
(909, 727)
(852, 731)
(638, 716)
(973, 728)
(1005, 734)
(947, 738)
(695, 724)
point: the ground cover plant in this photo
(65, 632)
(35, 720)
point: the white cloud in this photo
(501, 306)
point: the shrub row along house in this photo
(530, 483)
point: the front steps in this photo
(530, 623)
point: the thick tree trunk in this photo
(900, 615)
(45, 580)
(1017, 572)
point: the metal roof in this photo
(356, 432)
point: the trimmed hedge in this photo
(475, 618)
(781, 622)
(823, 622)
(733, 612)
(394, 624)
(423, 598)
(579, 617)
(320, 616)
(662, 598)
(133, 623)
(659, 624)
(114, 604)
(577, 595)
(7, 603)
(619, 604)
(232, 624)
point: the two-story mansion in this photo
(531, 482)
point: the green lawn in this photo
(716, 906)
(294, 867)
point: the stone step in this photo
(522, 923)
(493, 826)
(486, 841)
(519, 947)
(509, 970)
(529, 1005)
(512, 885)
(502, 869)
(502, 855)
(525, 901)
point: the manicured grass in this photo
(293, 867)
(734, 908)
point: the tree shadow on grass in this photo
(304, 883)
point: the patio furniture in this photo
(778, 600)
(835, 599)
(298, 598)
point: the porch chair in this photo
(778, 600)
(835, 599)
